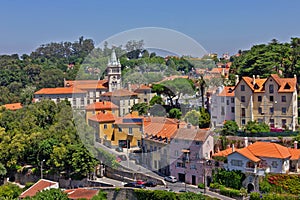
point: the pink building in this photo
(190, 154)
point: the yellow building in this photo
(104, 106)
(272, 100)
(115, 131)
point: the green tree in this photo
(229, 128)
(142, 108)
(51, 194)
(10, 191)
(100, 196)
(156, 100)
(175, 113)
(256, 127)
(192, 117)
(204, 119)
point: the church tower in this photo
(114, 72)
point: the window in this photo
(155, 164)
(283, 110)
(141, 129)
(232, 109)
(130, 130)
(271, 110)
(243, 112)
(198, 143)
(242, 87)
(283, 123)
(259, 98)
(145, 100)
(222, 99)
(227, 102)
(74, 102)
(283, 98)
(175, 141)
(193, 166)
(243, 122)
(176, 153)
(271, 98)
(238, 163)
(105, 126)
(260, 110)
(120, 129)
(243, 99)
(232, 99)
(180, 165)
(82, 101)
(271, 89)
(222, 110)
(274, 164)
(197, 156)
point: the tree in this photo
(175, 113)
(142, 108)
(156, 100)
(256, 127)
(229, 128)
(192, 117)
(204, 119)
(51, 194)
(100, 196)
(10, 191)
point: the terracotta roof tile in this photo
(81, 193)
(248, 154)
(104, 105)
(160, 127)
(227, 91)
(13, 106)
(192, 134)
(59, 90)
(87, 84)
(295, 154)
(223, 153)
(103, 117)
(269, 149)
(38, 186)
(120, 93)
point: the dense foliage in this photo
(231, 179)
(229, 128)
(256, 127)
(44, 131)
(10, 191)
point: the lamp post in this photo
(42, 162)
(204, 181)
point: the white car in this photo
(171, 179)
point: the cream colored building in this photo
(272, 100)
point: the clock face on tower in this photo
(114, 77)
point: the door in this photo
(181, 177)
(193, 180)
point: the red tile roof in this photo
(87, 84)
(285, 84)
(191, 134)
(103, 117)
(160, 127)
(60, 90)
(13, 106)
(223, 153)
(104, 105)
(81, 193)
(120, 93)
(139, 87)
(42, 184)
(227, 91)
(295, 154)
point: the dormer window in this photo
(287, 86)
(242, 87)
(256, 87)
(271, 89)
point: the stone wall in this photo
(120, 193)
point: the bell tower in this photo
(114, 72)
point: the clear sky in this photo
(219, 26)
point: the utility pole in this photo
(42, 162)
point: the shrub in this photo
(230, 192)
(254, 196)
(201, 185)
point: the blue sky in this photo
(219, 26)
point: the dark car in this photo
(119, 149)
(150, 184)
(183, 190)
(134, 184)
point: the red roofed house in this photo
(222, 106)
(157, 137)
(189, 151)
(264, 157)
(143, 91)
(272, 100)
(81, 193)
(103, 106)
(13, 106)
(115, 131)
(41, 185)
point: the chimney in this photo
(129, 86)
(253, 79)
(236, 79)
(246, 141)
(296, 145)
(257, 76)
(232, 147)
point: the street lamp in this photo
(42, 162)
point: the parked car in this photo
(140, 182)
(122, 157)
(150, 184)
(171, 179)
(183, 190)
(135, 185)
(133, 156)
(119, 149)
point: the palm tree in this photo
(201, 85)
